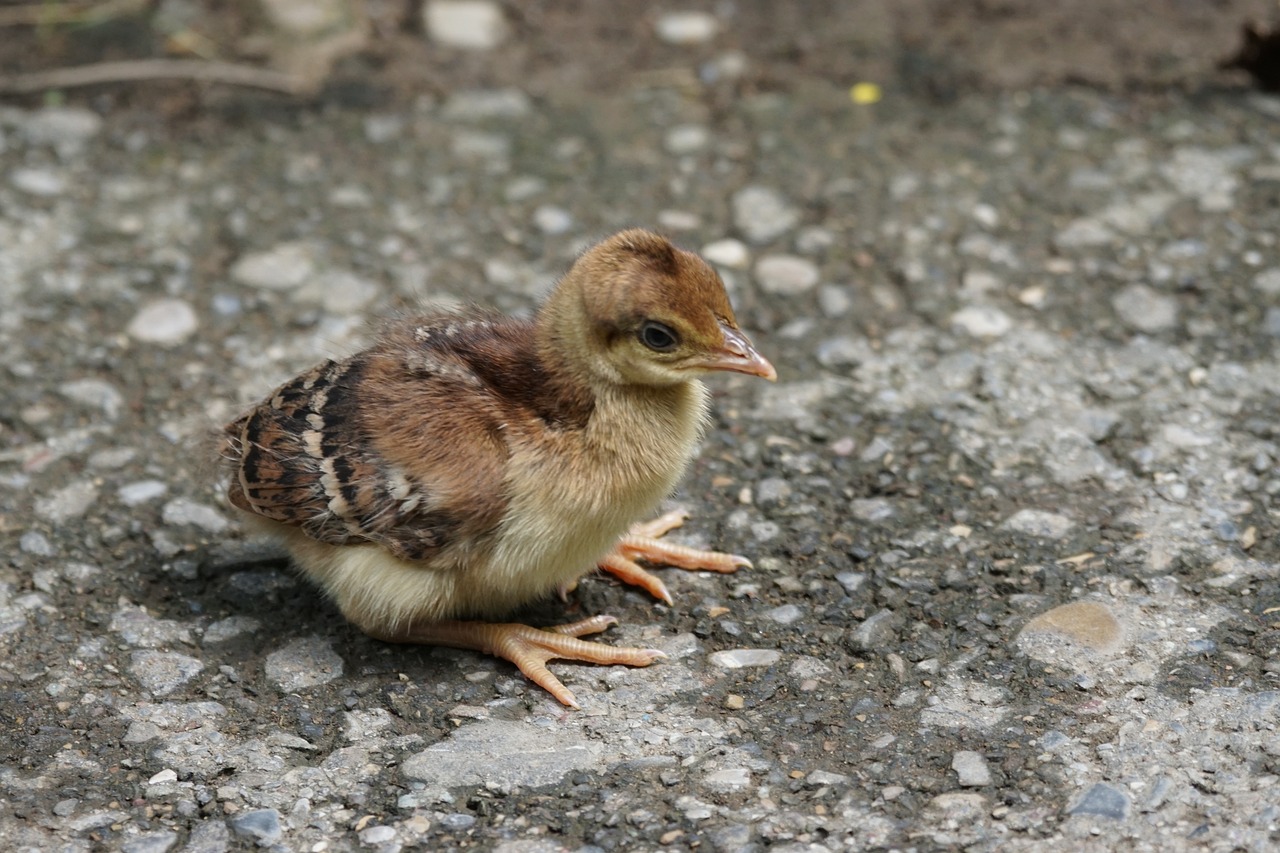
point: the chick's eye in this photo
(658, 337)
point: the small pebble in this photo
(686, 27)
(727, 253)
(552, 220)
(282, 267)
(763, 214)
(1103, 800)
(466, 24)
(304, 663)
(982, 321)
(731, 779)
(164, 321)
(971, 768)
(36, 543)
(1039, 523)
(184, 511)
(133, 494)
(786, 275)
(739, 658)
(785, 615)
(377, 834)
(262, 826)
(1144, 309)
(38, 182)
(686, 139)
(67, 503)
(163, 672)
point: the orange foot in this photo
(642, 543)
(530, 648)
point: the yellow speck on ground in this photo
(865, 93)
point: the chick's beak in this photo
(739, 355)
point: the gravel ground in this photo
(1014, 502)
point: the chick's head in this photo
(657, 315)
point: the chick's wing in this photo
(401, 445)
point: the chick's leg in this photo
(642, 543)
(529, 648)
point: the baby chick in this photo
(468, 464)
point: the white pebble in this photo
(468, 24)
(552, 220)
(679, 220)
(687, 27)
(38, 182)
(282, 267)
(1039, 523)
(786, 275)
(762, 214)
(739, 658)
(132, 494)
(686, 138)
(67, 503)
(982, 321)
(1145, 309)
(377, 835)
(727, 253)
(971, 768)
(186, 511)
(164, 321)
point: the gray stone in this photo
(731, 838)
(982, 321)
(164, 321)
(971, 768)
(1144, 309)
(36, 543)
(727, 253)
(786, 275)
(282, 267)
(141, 491)
(209, 836)
(152, 842)
(1268, 281)
(95, 393)
(505, 754)
(772, 490)
(141, 630)
(261, 826)
(763, 214)
(232, 626)
(552, 220)
(163, 672)
(67, 503)
(304, 663)
(38, 182)
(339, 292)
(727, 780)
(876, 632)
(186, 512)
(377, 834)
(1039, 523)
(1103, 800)
(785, 614)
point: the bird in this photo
(470, 463)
